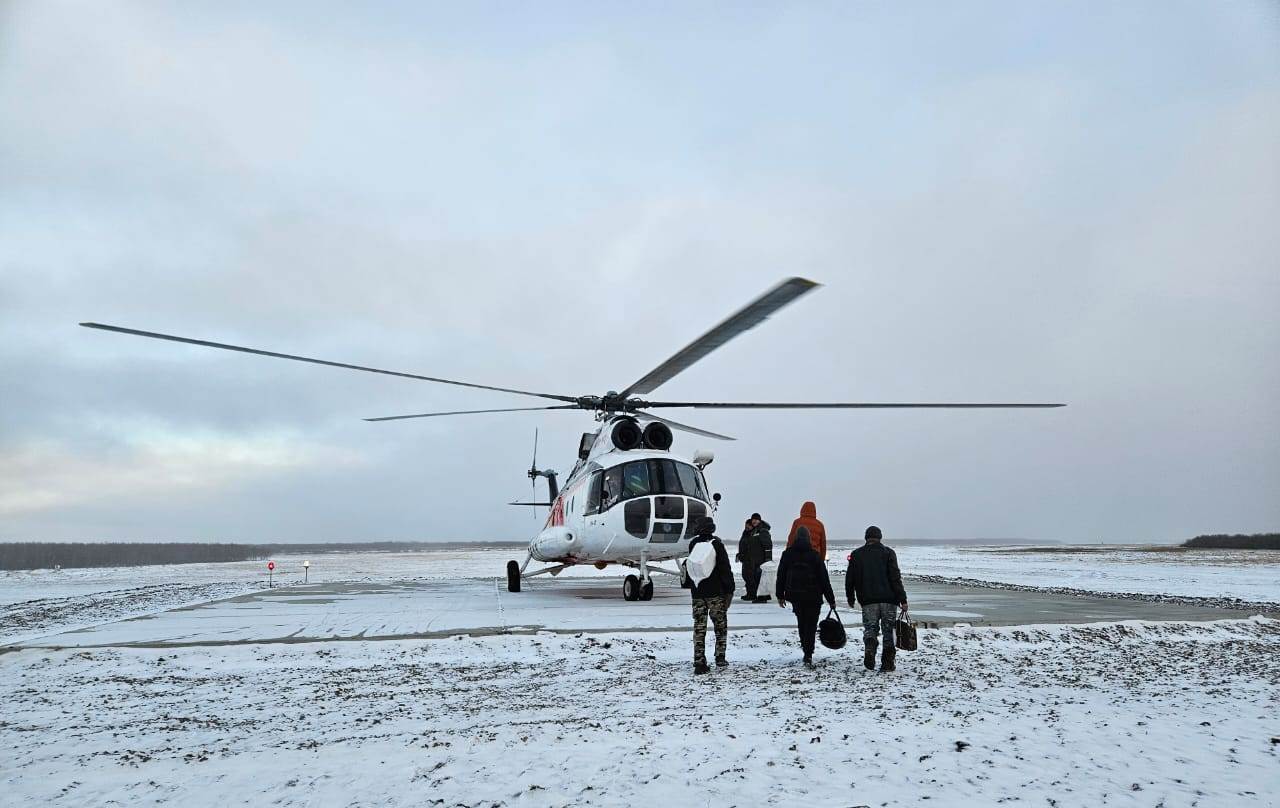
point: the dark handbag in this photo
(904, 630)
(831, 631)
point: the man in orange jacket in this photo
(817, 532)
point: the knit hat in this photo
(706, 526)
(873, 532)
(755, 516)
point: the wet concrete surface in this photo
(423, 609)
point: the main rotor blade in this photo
(685, 427)
(471, 412)
(845, 405)
(241, 349)
(750, 316)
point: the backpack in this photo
(701, 562)
(801, 582)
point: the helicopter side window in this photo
(696, 511)
(635, 479)
(611, 493)
(593, 493)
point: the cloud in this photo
(1019, 206)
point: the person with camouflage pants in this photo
(874, 581)
(717, 608)
(711, 598)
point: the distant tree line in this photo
(47, 555)
(1239, 541)
(359, 547)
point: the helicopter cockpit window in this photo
(593, 493)
(635, 479)
(611, 493)
(641, 478)
(691, 482)
(664, 478)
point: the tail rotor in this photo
(533, 475)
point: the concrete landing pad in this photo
(437, 608)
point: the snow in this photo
(411, 679)
(428, 565)
(1250, 575)
(35, 603)
(1132, 713)
(40, 603)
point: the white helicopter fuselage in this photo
(625, 506)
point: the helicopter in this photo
(630, 499)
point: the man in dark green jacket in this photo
(754, 549)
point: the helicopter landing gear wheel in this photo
(631, 587)
(646, 591)
(513, 576)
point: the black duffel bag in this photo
(831, 631)
(904, 632)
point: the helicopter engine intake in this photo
(627, 435)
(657, 435)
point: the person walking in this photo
(755, 548)
(817, 531)
(874, 581)
(803, 580)
(711, 596)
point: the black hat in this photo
(873, 532)
(706, 526)
(755, 516)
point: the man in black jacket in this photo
(754, 549)
(873, 580)
(803, 580)
(711, 598)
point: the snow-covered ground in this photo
(409, 679)
(435, 564)
(37, 603)
(1172, 714)
(1252, 575)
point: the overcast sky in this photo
(1003, 202)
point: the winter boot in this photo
(886, 659)
(808, 660)
(700, 668)
(762, 599)
(722, 663)
(869, 654)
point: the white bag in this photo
(701, 562)
(768, 578)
